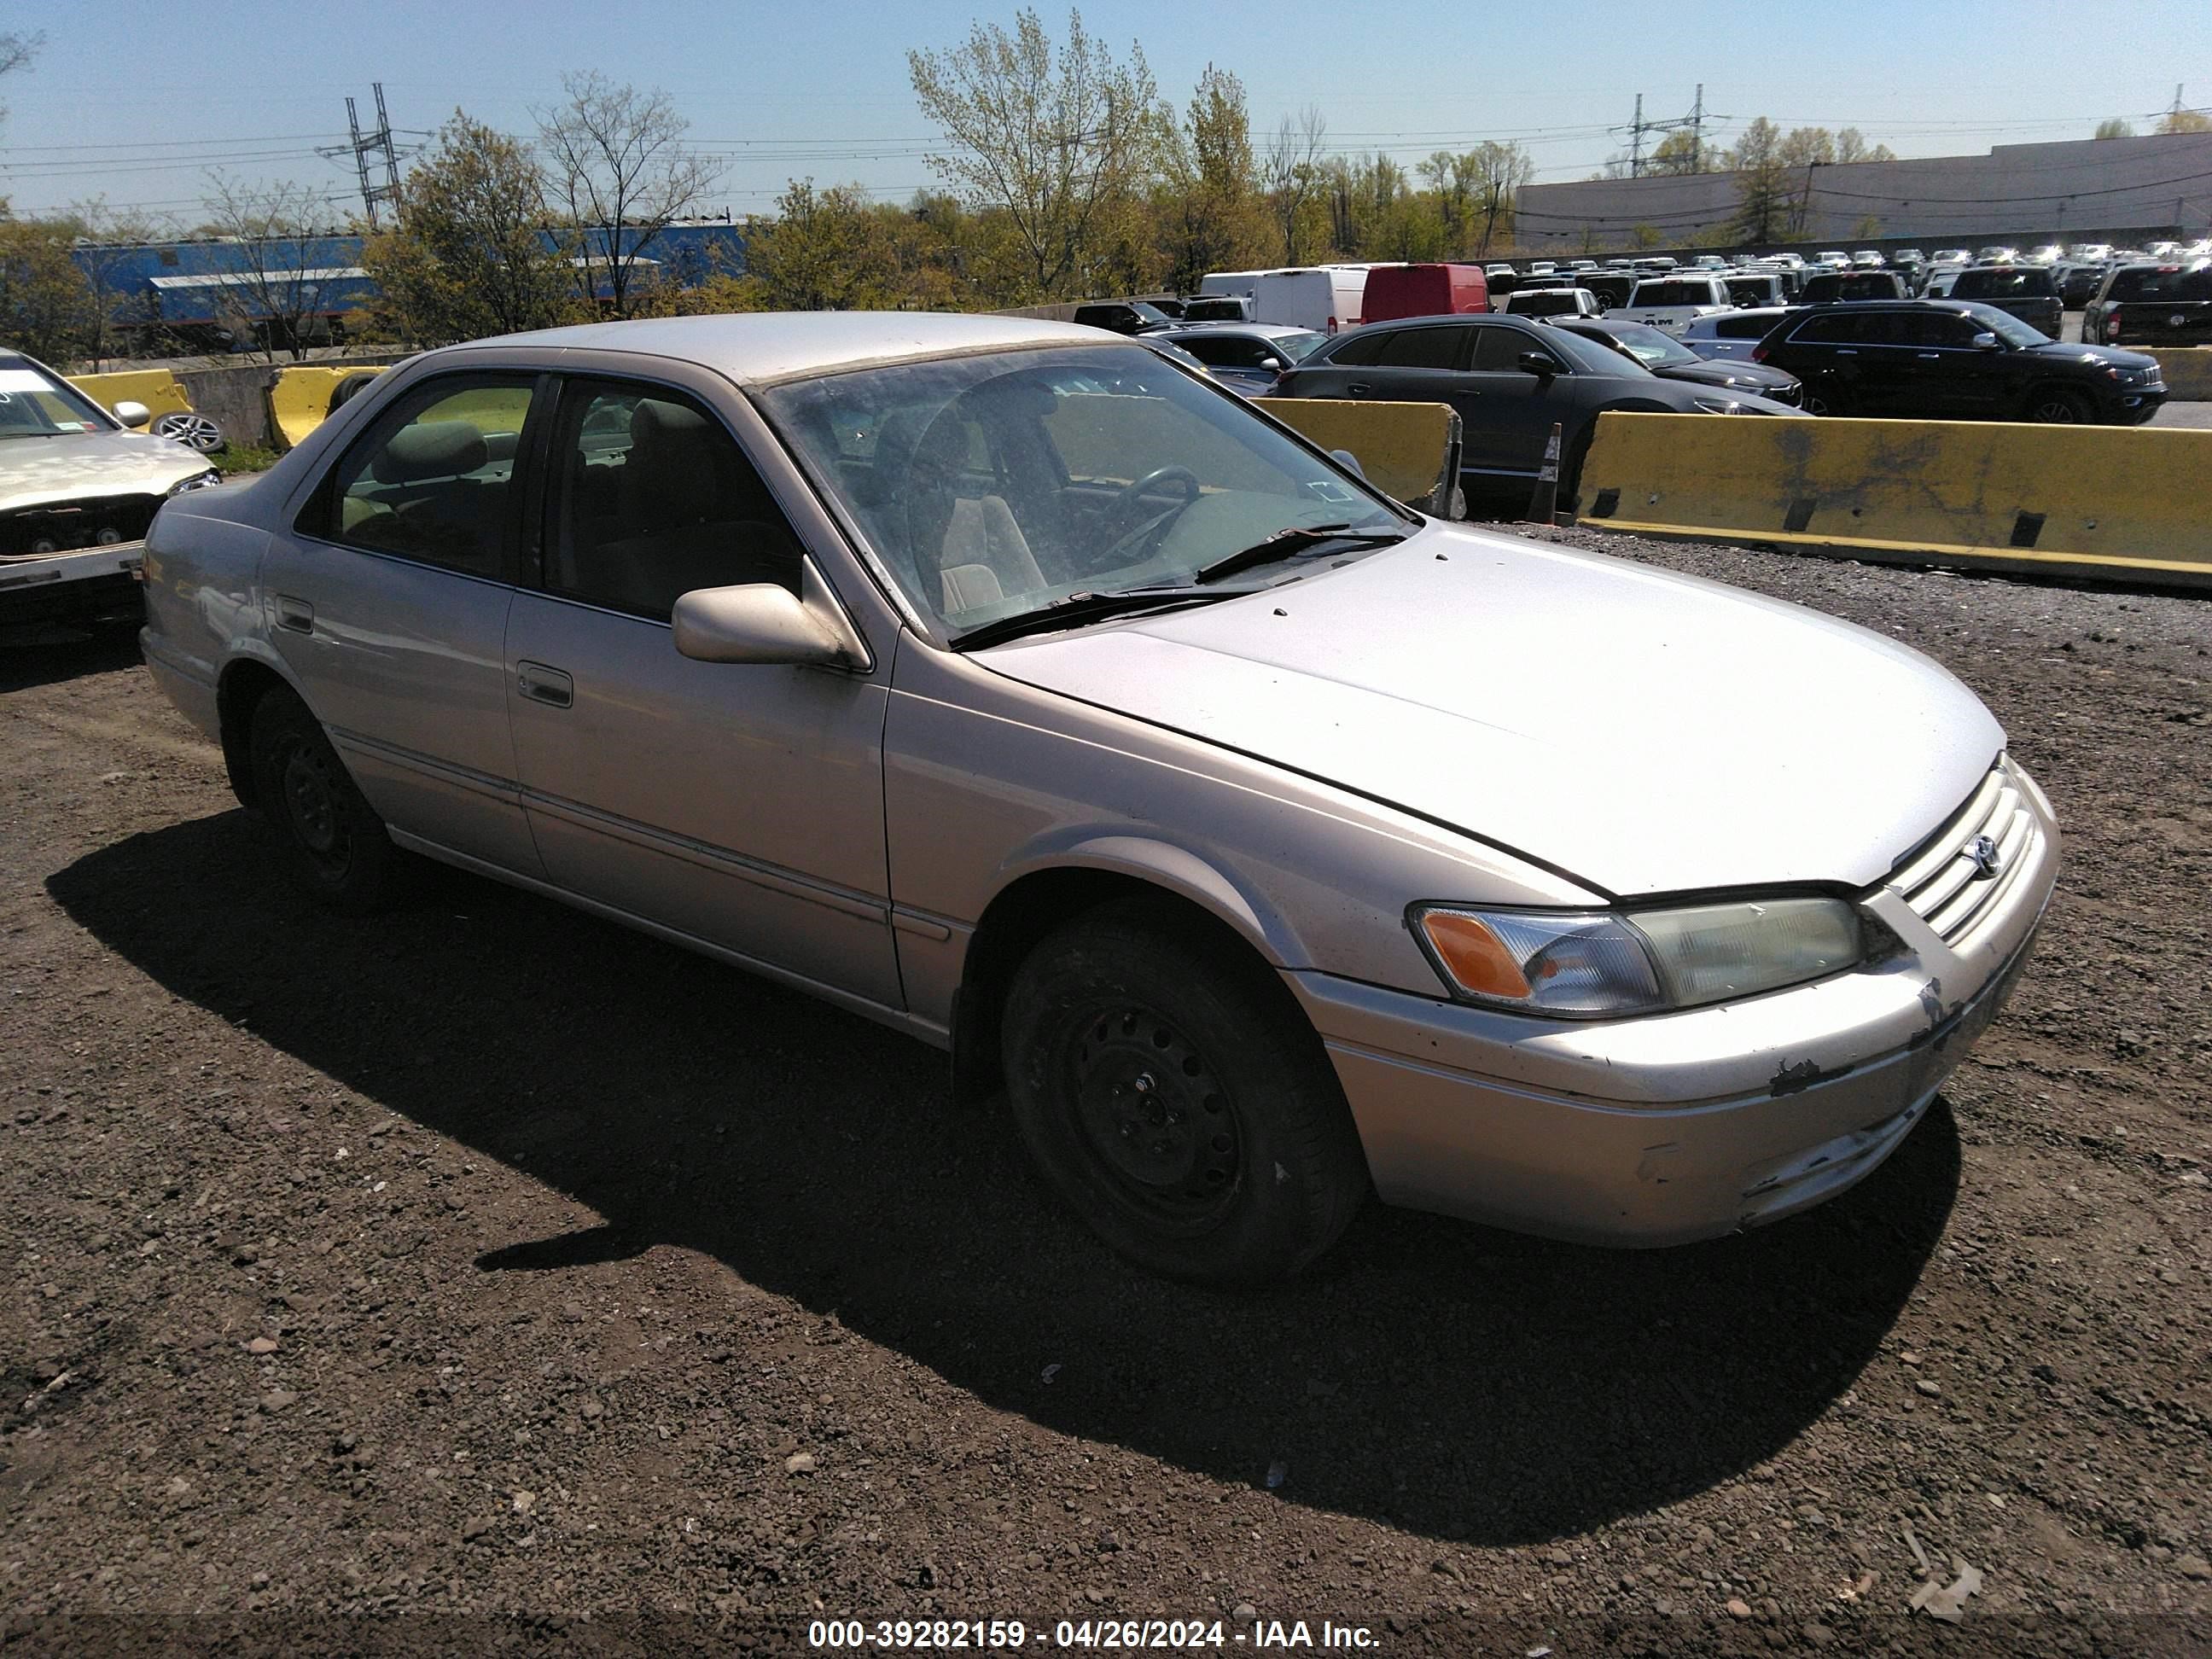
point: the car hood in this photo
(74, 466)
(2111, 356)
(1723, 372)
(1642, 732)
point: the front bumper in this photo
(1679, 1127)
(94, 582)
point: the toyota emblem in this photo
(1987, 860)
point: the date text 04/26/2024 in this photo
(1129, 1635)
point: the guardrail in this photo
(1408, 451)
(159, 389)
(2188, 371)
(2122, 503)
(300, 397)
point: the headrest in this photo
(430, 449)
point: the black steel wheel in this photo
(335, 844)
(1176, 1099)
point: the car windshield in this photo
(1649, 347)
(1589, 357)
(2008, 327)
(33, 404)
(992, 486)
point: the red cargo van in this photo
(1424, 291)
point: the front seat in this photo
(967, 549)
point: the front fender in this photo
(1221, 892)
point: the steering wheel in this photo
(1124, 502)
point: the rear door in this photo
(389, 603)
(739, 804)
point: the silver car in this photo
(77, 489)
(1264, 841)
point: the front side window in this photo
(433, 478)
(651, 498)
(2007, 327)
(1830, 330)
(992, 485)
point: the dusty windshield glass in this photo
(991, 486)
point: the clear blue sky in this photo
(137, 101)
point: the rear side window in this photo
(1421, 348)
(651, 498)
(433, 479)
(1831, 328)
(1356, 352)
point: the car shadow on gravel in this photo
(1456, 1380)
(41, 655)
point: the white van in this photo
(1324, 298)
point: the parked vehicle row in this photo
(1264, 843)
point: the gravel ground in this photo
(489, 1263)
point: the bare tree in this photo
(110, 242)
(1058, 139)
(616, 162)
(284, 287)
(1291, 173)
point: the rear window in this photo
(1743, 288)
(2167, 283)
(1673, 294)
(2011, 283)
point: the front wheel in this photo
(1825, 400)
(334, 843)
(2058, 406)
(1177, 1100)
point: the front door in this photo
(389, 603)
(736, 804)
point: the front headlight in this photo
(198, 481)
(1717, 405)
(1591, 964)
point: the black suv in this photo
(1511, 380)
(2152, 305)
(1945, 359)
(1122, 316)
(2027, 292)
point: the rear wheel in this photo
(1176, 1101)
(334, 843)
(2058, 406)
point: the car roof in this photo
(769, 346)
(1249, 331)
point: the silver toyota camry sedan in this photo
(1261, 841)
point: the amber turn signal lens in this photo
(1472, 955)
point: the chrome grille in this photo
(1944, 883)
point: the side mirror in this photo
(764, 623)
(1985, 342)
(133, 415)
(1349, 462)
(1536, 363)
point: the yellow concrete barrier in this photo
(1408, 451)
(2121, 503)
(2188, 371)
(159, 389)
(300, 398)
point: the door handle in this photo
(1846, 351)
(1360, 388)
(1929, 356)
(295, 614)
(542, 684)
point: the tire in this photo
(1825, 400)
(1175, 1099)
(190, 428)
(2058, 406)
(1571, 468)
(334, 844)
(350, 388)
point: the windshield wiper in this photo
(1294, 539)
(1079, 608)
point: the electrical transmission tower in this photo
(375, 145)
(1693, 123)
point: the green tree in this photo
(2185, 120)
(46, 306)
(1208, 202)
(1678, 153)
(1058, 139)
(468, 254)
(2113, 127)
(1762, 184)
(819, 253)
